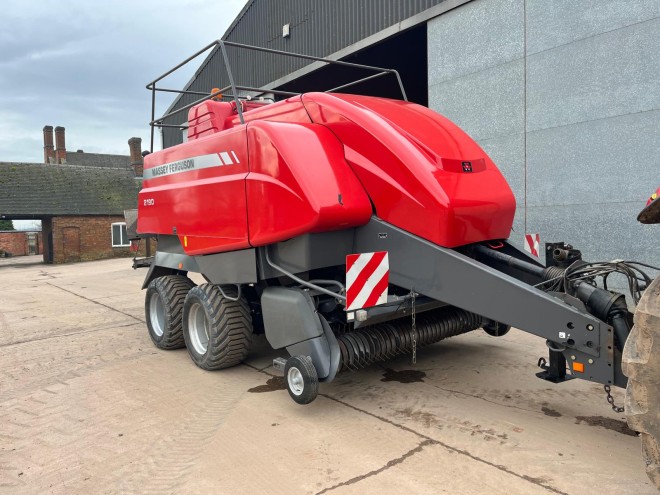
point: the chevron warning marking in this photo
(367, 278)
(532, 242)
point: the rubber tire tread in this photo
(641, 364)
(230, 327)
(310, 379)
(173, 290)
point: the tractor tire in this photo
(217, 331)
(641, 364)
(163, 309)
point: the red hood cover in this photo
(421, 171)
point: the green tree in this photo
(6, 225)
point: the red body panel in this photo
(409, 160)
(206, 205)
(316, 163)
(208, 117)
(299, 183)
(290, 110)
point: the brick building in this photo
(20, 243)
(79, 197)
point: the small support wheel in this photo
(301, 379)
(496, 329)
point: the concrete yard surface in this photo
(89, 405)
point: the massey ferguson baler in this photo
(352, 229)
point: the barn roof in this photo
(98, 160)
(30, 190)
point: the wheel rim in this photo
(198, 329)
(157, 314)
(296, 382)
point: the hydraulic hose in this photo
(506, 259)
(301, 281)
(609, 307)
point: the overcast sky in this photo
(84, 65)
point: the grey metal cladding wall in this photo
(318, 27)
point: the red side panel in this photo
(422, 172)
(299, 182)
(289, 110)
(208, 118)
(197, 190)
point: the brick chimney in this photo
(137, 162)
(49, 150)
(60, 146)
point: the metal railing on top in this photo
(158, 122)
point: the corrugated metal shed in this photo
(317, 27)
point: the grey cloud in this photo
(84, 65)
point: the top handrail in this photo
(158, 122)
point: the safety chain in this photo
(414, 328)
(610, 399)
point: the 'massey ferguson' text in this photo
(173, 167)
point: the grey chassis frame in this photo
(438, 273)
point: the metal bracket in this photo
(279, 363)
(554, 372)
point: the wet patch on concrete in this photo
(611, 424)
(430, 420)
(551, 412)
(423, 417)
(403, 376)
(273, 384)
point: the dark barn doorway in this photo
(406, 52)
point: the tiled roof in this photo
(98, 160)
(34, 190)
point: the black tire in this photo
(301, 379)
(217, 331)
(496, 329)
(163, 309)
(641, 364)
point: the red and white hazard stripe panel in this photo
(367, 277)
(532, 242)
